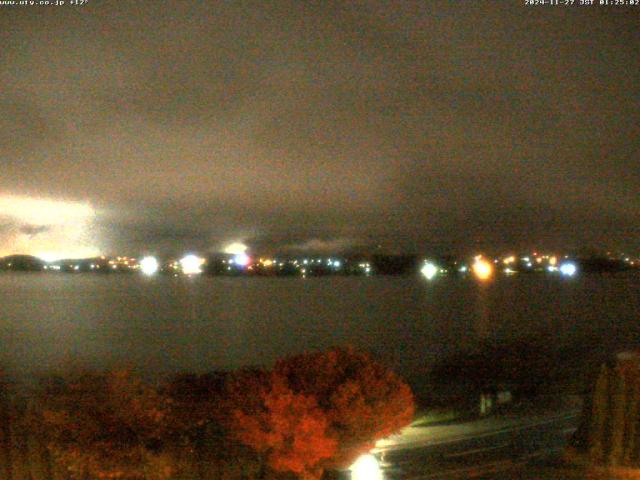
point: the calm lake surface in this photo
(165, 324)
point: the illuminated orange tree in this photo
(289, 429)
(363, 400)
(320, 410)
(106, 426)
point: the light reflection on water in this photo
(164, 324)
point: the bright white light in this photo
(568, 269)
(429, 270)
(366, 467)
(191, 265)
(235, 248)
(337, 264)
(463, 269)
(241, 259)
(149, 265)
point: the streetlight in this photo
(366, 467)
(429, 270)
(191, 265)
(149, 265)
(568, 269)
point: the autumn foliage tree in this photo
(105, 426)
(322, 409)
(288, 428)
(363, 400)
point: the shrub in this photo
(106, 426)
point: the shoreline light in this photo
(191, 264)
(429, 270)
(149, 266)
(482, 269)
(241, 259)
(568, 269)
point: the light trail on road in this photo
(485, 454)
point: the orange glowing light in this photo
(482, 269)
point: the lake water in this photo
(165, 324)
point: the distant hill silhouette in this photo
(21, 263)
(603, 265)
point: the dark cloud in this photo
(408, 124)
(325, 246)
(33, 230)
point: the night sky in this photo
(160, 127)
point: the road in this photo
(488, 453)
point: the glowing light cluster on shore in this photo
(149, 265)
(191, 264)
(241, 259)
(482, 269)
(429, 270)
(568, 269)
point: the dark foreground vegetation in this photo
(529, 368)
(310, 414)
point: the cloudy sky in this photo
(146, 126)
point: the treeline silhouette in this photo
(528, 367)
